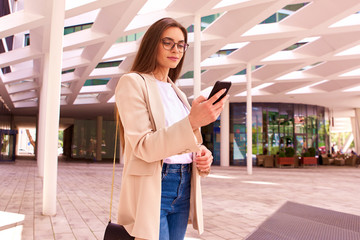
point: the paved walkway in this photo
(234, 203)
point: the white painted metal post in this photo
(356, 133)
(40, 151)
(248, 119)
(50, 91)
(197, 55)
(99, 124)
(225, 136)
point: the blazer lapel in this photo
(155, 102)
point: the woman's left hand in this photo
(203, 159)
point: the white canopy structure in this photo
(323, 68)
(298, 52)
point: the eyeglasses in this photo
(169, 44)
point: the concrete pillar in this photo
(197, 55)
(41, 133)
(248, 119)
(225, 136)
(50, 103)
(99, 126)
(355, 122)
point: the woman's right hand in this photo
(203, 111)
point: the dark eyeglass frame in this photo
(181, 46)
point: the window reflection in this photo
(276, 126)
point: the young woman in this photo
(161, 141)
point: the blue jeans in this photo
(175, 201)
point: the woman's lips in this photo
(173, 58)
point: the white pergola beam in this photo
(23, 96)
(19, 75)
(108, 72)
(26, 104)
(82, 38)
(105, 23)
(94, 89)
(19, 22)
(22, 87)
(18, 56)
(88, 7)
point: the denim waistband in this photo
(176, 167)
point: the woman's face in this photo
(168, 57)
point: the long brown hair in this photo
(145, 60)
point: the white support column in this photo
(248, 119)
(225, 136)
(41, 134)
(50, 103)
(99, 124)
(40, 141)
(355, 123)
(197, 55)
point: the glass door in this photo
(7, 145)
(300, 143)
(273, 131)
(239, 147)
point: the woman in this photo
(161, 141)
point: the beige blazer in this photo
(146, 142)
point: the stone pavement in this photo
(234, 203)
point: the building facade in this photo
(274, 126)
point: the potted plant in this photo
(308, 157)
(286, 157)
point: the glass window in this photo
(69, 30)
(139, 35)
(286, 125)
(275, 126)
(86, 26)
(208, 136)
(257, 130)
(270, 19)
(300, 144)
(273, 130)
(121, 39)
(216, 141)
(130, 38)
(237, 134)
(108, 64)
(84, 139)
(322, 133)
(93, 82)
(299, 118)
(108, 140)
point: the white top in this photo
(175, 111)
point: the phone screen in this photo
(217, 87)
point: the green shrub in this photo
(312, 152)
(282, 153)
(306, 154)
(289, 152)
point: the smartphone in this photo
(217, 87)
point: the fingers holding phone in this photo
(204, 112)
(215, 92)
(215, 98)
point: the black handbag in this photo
(115, 231)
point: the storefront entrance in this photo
(7, 144)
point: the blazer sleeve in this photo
(146, 143)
